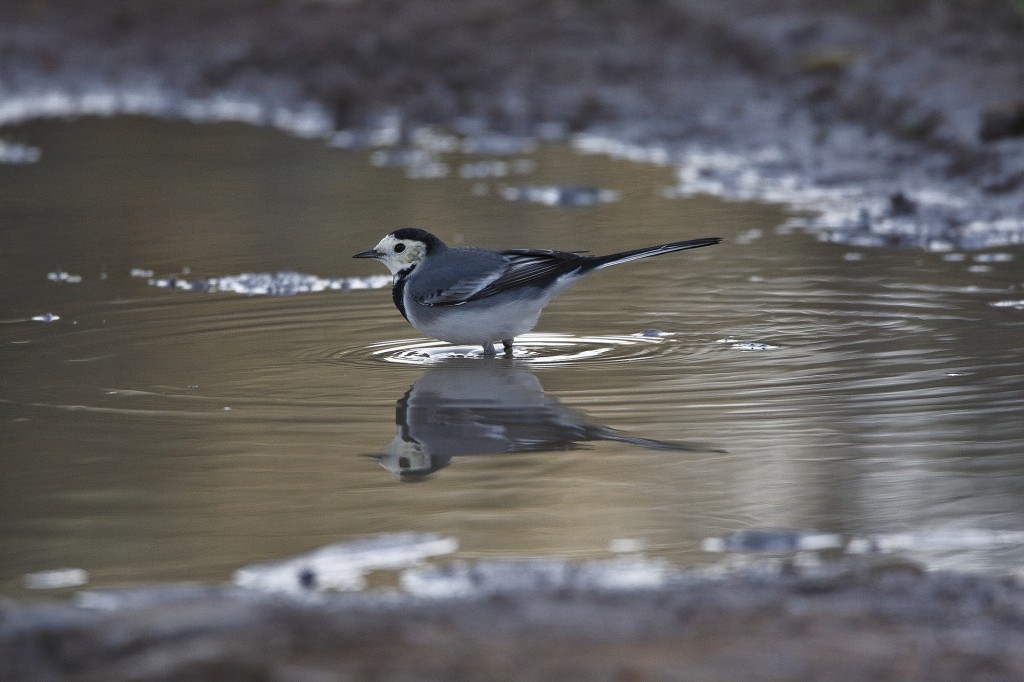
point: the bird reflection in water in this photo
(482, 408)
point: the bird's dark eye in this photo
(399, 247)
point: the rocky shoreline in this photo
(543, 621)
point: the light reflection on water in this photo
(151, 434)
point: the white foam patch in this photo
(55, 579)
(936, 540)
(343, 566)
(464, 579)
(304, 119)
(855, 212)
(17, 153)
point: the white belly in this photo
(477, 322)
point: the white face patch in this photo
(399, 254)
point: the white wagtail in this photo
(488, 408)
(477, 296)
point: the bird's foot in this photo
(506, 345)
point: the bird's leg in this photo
(507, 345)
(489, 349)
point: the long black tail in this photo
(598, 262)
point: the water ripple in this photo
(537, 349)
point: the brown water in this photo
(151, 434)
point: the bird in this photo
(490, 408)
(467, 295)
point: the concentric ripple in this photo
(541, 349)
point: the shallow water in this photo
(152, 433)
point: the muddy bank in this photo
(550, 622)
(903, 127)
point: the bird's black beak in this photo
(372, 253)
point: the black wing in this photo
(521, 267)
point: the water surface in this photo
(158, 434)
